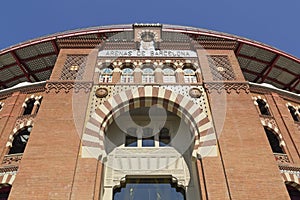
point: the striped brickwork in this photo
(104, 115)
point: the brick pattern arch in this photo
(36, 98)
(296, 116)
(256, 104)
(200, 125)
(16, 130)
(275, 130)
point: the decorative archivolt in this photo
(36, 98)
(200, 125)
(296, 107)
(18, 128)
(121, 63)
(259, 97)
(271, 124)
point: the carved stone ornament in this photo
(101, 92)
(227, 86)
(67, 86)
(195, 93)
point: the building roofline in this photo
(290, 62)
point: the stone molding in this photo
(226, 86)
(67, 86)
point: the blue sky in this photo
(275, 23)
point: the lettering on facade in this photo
(149, 53)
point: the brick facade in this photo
(66, 157)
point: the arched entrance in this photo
(200, 125)
(133, 148)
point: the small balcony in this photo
(281, 158)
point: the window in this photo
(4, 191)
(131, 138)
(20, 141)
(148, 142)
(149, 189)
(294, 113)
(294, 193)
(189, 75)
(127, 75)
(164, 137)
(106, 75)
(29, 104)
(274, 142)
(148, 75)
(148, 139)
(263, 107)
(130, 141)
(169, 75)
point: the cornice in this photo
(67, 86)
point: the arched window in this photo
(28, 106)
(127, 75)
(293, 192)
(20, 141)
(189, 75)
(148, 75)
(106, 75)
(149, 189)
(294, 113)
(164, 137)
(4, 191)
(273, 140)
(169, 75)
(263, 107)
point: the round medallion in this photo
(101, 92)
(195, 93)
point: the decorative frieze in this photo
(24, 119)
(8, 170)
(281, 158)
(269, 122)
(12, 159)
(33, 89)
(136, 62)
(227, 86)
(68, 86)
